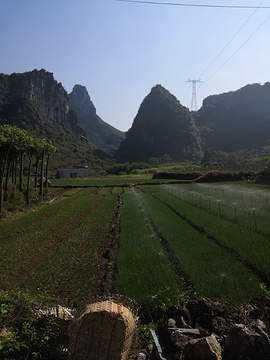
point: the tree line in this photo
(21, 151)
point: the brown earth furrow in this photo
(103, 278)
(38, 222)
(45, 253)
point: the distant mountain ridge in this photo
(237, 119)
(36, 102)
(162, 126)
(101, 134)
(27, 97)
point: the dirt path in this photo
(103, 278)
(22, 273)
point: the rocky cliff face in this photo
(36, 102)
(238, 119)
(101, 134)
(162, 126)
(38, 91)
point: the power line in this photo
(186, 93)
(222, 51)
(244, 43)
(196, 5)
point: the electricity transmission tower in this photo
(194, 98)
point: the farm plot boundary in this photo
(104, 276)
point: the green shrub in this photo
(24, 334)
(263, 177)
(13, 196)
(218, 176)
(176, 176)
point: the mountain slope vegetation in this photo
(236, 120)
(101, 134)
(161, 127)
(36, 102)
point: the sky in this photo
(120, 50)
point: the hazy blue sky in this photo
(119, 50)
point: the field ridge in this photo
(103, 278)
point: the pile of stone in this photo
(216, 330)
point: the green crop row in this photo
(214, 271)
(18, 251)
(244, 204)
(248, 244)
(67, 274)
(143, 270)
(22, 220)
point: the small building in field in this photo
(76, 171)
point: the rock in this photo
(186, 315)
(259, 308)
(178, 339)
(248, 341)
(259, 327)
(181, 316)
(219, 325)
(141, 356)
(203, 311)
(171, 323)
(243, 343)
(101, 134)
(207, 348)
(162, 126)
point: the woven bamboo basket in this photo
(103, 330)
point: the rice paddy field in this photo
(157, 244)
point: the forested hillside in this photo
(162, 127)
(236, 120)
(100, 134)
(35, 101)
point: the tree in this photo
(17, 142)
(153, 161)
(49, 150)
(9, 138)
(165, 159)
